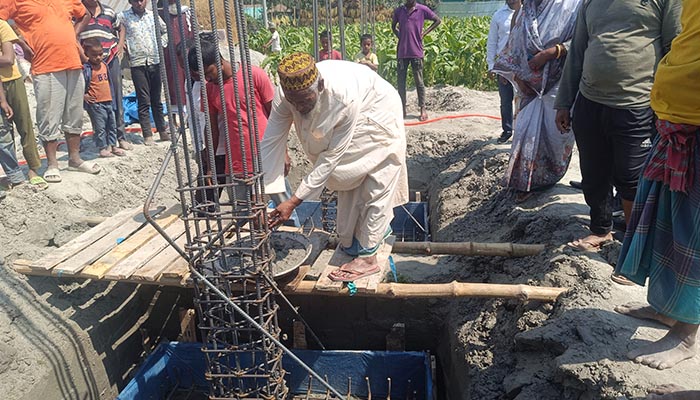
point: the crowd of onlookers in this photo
(619, 80)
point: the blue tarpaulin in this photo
(131, 109)
(172, 364)
(410, 221)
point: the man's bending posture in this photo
(662, 241)
(350, 124)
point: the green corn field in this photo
(455, 53)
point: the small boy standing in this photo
(327, 52)
(98, 100)
(366, 56)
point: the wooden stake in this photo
(435, 290)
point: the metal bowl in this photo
(291, 250)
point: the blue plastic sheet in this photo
(183, 364)
(403, 225)
(131, 109)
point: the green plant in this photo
(455, 53)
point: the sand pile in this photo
(68, 331)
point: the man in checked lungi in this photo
(663, 239)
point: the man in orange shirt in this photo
(58, 81)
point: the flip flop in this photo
(351, 276)
(621, 280)
(89, 167)
(38, 182)
(587, 246)
(52, 175)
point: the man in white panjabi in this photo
(350, 123)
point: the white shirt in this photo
(498, 34)
(355, 126)
(276, 42)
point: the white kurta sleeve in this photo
(342, 134)
(274, 145)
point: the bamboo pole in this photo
(440, 290)
(464, 248)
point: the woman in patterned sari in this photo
(533, 62)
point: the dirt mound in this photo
(499, 348)
(73, 333)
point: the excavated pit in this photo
(73, 339)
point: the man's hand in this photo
(563, 120)
(283, 212)
(7, 109)
(120, 51)
(89, 98)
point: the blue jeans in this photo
(8, 157)
(104, 126)
(505, 91)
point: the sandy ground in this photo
(66, 331)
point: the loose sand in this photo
(62, 339)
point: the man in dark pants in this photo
(102, 25)
(137, 29)
(496, 43)
(409, 18)
(610, 65)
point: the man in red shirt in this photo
(58, 80)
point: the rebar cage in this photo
(227, 234)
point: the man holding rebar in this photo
(352, 131)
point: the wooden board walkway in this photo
(126, 248)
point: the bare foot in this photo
(125, 145)
(105, 153)
(423, 114)
(672, 392)
(149, 141)
(678, 345)
(644, 311)
(356, 269)
(591, 242)
(118, 152)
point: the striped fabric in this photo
(103, 27)
(671, 163)
(662, 241)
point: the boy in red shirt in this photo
(98, 100)
(327, 51)
(264, 94)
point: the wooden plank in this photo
(176, 269)
(370, 283)
(87, 238)
(301, 274)
(155, 266)
(126, 248)
(73, 265)
(338, 258)
(137, 259)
